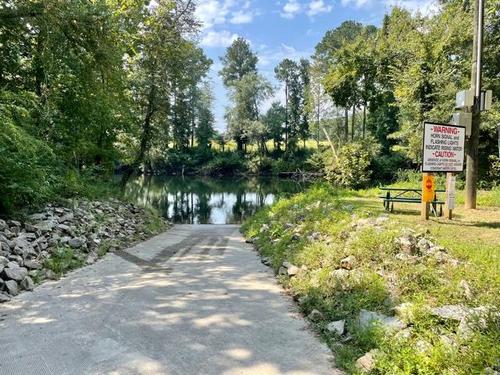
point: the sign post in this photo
(428, 194)
(443, 151)
(450, 195)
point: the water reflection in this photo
(200, 200)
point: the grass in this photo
(63, 260)
(316, 229)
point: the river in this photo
(205, 200)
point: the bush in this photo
(225, 163)
(385, 167)
(26, 168)
(352, 168)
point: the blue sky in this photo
(280, 29)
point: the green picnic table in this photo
(409, 195)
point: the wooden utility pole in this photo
(472, 155)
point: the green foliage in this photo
(62, 260)
(494, 170)
(26, 167)
(314, 230)
(226, 163)
(352, 167)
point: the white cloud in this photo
(219, 12)
(211, 12)
(218, 38)
(291, 9)
(270, 57)
(241, 17)
(317, 7)
(356, 3)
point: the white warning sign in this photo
(444, 148)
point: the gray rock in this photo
(282, 271)
(4, 246)
(32, 264)
(64, 240)
(21, 251)
(337, 327)
(30, 228)
(466, 289)
(407, 244)
(15, 273)
(11, 287)
(76, 243)
(38, 217)
(68, 217)
(27, 283)
(422, 346)
(390, 323)
(348, 263)
(451, 312)
(3, 261)
(315, 316)
(366, 363)
(3, 225)
(292, 270)
(403, 335)
(15, 223)
(266, 261)
(45, 226)
(424, 245)
(17, 259)
(65, 228)
(4, 298)
(340, 274)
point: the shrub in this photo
(26, 168)
(352, 168)
(225, 163)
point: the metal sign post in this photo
(450, 195)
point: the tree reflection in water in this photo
(204, 200)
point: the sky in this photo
(280, 29)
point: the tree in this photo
(162, 39)
(238, 61)
(286, 72)
(295, 78)
(305, 81)
(247, 95)
(239, 74)
(274, 121)
(205, 118)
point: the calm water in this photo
(200, 200)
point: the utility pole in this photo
(472, 155)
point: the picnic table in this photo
(409, 195)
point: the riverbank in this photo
(61, 237)
(388, 293)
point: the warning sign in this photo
(428, 188)
(444, 148)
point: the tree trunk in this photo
(353, 122)
(145, 136)
(286, 116)
(346, 124)
(364, 120)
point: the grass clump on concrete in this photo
(342, 257)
